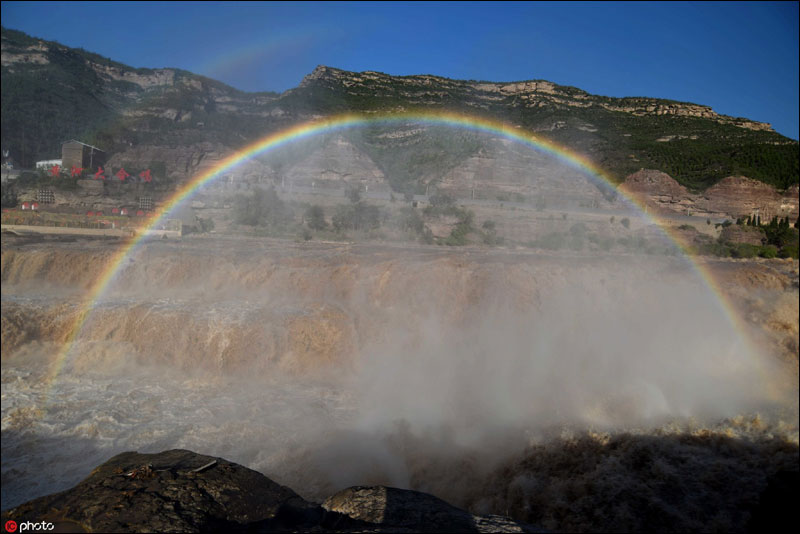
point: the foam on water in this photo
(98, 416)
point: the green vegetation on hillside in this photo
(701, 152)
(625, 143)
(44, 105)
(778, 239)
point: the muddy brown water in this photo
(535, 384)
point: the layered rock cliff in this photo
(427, 89)
(732, 197)
(171, 117)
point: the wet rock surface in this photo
(182, 491)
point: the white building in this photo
(48, 163)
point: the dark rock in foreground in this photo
(413, 511)
(182, 491)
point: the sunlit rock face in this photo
(733, 197)
(743, 196)
(422, 89)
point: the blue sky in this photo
(739, 58)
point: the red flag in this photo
(121, 174)
(55, 170)
(99, 174)
(145, 175)
(76, 171)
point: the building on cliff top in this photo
(77, 154)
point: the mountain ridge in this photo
(52, 92)
(648, 105)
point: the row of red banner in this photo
(122, 174)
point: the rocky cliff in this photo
(174, 118)
(732, 197)
(427, 89)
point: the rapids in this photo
(467, 373)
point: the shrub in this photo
(780, 235)
(315, 218)
(9, 196)
(788, 252)
(206, 225)
(358, 216)
(744, 250)
(441, 200)
(768, 251)
(492, 239)
(713, 249)
(458, 235)
(261, 208)
(410, 220)
(353, 193)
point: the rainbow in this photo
(264, 48)
(346, 121)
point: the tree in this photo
(261, 208)
(315, 218)
(206, 225)
(9, 196)
(442, 200)
(353, 194)
(358, 216)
